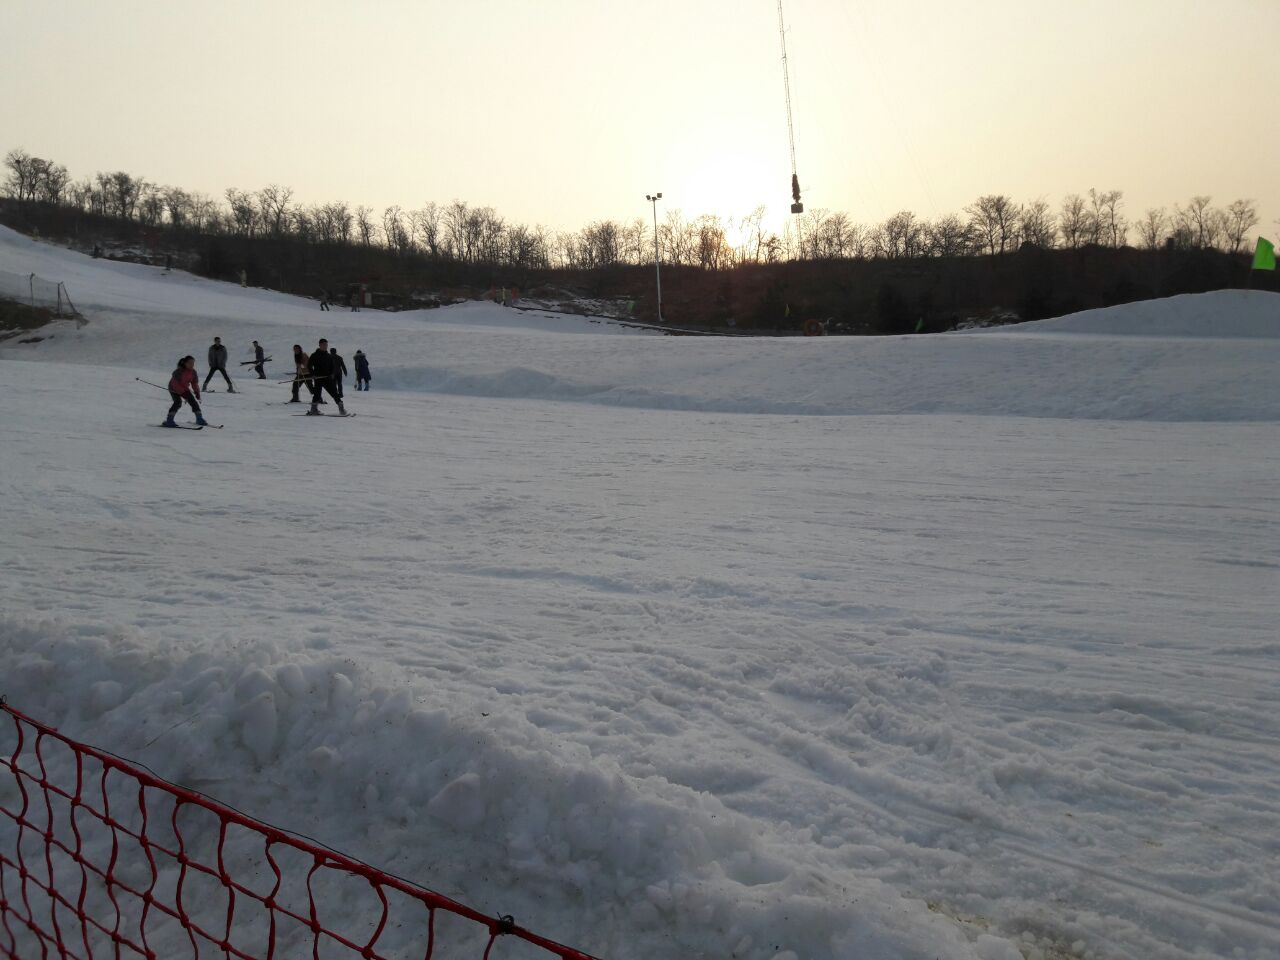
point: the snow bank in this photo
(479, 805)
(1222, 314)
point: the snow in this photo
(950, 647)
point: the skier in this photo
(301, 368)
(322, 370)
(259, 354)
(339, 370)
(324, 299)
(362, 370)
(218, 364)
(182, 385)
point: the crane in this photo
(796, 205)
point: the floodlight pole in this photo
(657, 257)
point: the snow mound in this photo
(461, 791)
(1223, 313)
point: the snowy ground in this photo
(601, 629)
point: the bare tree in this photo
(637, 242)
(428, 225)
(994, 219)
(712, 248)
(273, 204)
(303, 221)
(676, 239)
(1075, 223)
(489, 230)
(1036, 226)
(902, 235)
(177, 205)
(842, 238)
(244, 211)
(751, 230)
(396, 230)
(150, 205)
(343, 220)
(204, 212)
(21, 183)
(1199, 225)
(1241, 217)
(51, 180)
(600, 244)
(122, 192)
(457, 236)
(1152, 228)
(949, 237)
(366, 229)
(1107, 226)
(81, 194)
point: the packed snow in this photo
(957, 646)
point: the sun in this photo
(732, 185)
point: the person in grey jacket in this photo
(218, 364)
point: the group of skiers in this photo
(322, 371)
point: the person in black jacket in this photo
(362, 370)
(218, 364)
(322, 378)
(339, 370)
(259, 355)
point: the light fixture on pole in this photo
(657, 257)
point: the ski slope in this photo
(954, 647)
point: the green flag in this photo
(1264, 258)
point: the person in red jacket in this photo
(185, 385)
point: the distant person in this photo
(324, 299)
(97, 252)
(322, 377)
(339, 370)
(218, 364)
(168, 262)
(301, 368)
(354, 301)
(362, 370)
(244, 277)
(260, 356)
(185, 385)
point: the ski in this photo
(342, 416)
(254, 363)
(181, 426)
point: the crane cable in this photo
(796, 206)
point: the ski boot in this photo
(200, 420)
(169, 423)
(231, 389)
(314, 411)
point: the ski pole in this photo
(245, 363)
(304, 379)
(150, 384)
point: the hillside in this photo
(957, 647)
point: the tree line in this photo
(458, 232)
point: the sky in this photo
(561, 112)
